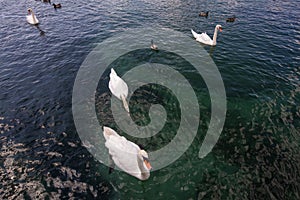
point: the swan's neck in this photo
(144, 172)
(33, 18)
(215, 36)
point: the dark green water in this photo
(257, 155)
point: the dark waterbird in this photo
(204, 14)
(46, 1)
(57, 5)
(231, 19)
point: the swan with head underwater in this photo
(127, 155)
(153, 46)
(31, 18)
(205, 39)
(118, 88)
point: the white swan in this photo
(127, 155)
(31, 18)
(205, 39)
(153, 46)
(118, 87)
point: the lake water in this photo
(258, 56)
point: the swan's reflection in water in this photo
(211, 50)
(42, 33)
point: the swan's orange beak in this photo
(148, 165)
(221, 29)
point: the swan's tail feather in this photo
(125, 104)
(194, 34)
(107, 132)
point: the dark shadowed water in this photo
(258, 56)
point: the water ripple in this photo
(257, 55)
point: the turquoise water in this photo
(258, 57)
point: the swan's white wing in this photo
(30, 19)
(205, 37)
(117, 86)
(124, 154)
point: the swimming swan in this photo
(119, 88)
(127, 155)
(31, 18)
(205, 39)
